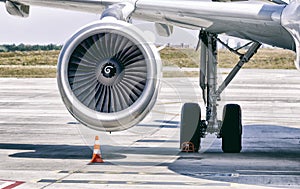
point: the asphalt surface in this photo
(42, 146)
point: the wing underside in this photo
(256, 21)
(253, 20)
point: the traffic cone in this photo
(97, 152)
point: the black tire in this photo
(190, 125)
(232, 129)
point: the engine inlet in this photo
(108, 75)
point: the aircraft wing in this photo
(254, 20)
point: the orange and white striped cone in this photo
(97, 158)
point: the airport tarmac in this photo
(42, 146)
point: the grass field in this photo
(43, 63)
(264, 59)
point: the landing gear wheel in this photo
(232, 129)
(190, 130)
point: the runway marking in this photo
(100, 182)
(247, 173)
(6, 184)
(116, 173)
(164, 103)
(268, 173)
(160, 112)
(210, 174)
(133, 182)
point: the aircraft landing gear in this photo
(230, 128)
(190, 127)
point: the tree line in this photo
(23, 47)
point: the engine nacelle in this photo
(108, 75)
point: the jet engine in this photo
(108, 75)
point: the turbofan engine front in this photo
(108, 75)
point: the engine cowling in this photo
(108, 75)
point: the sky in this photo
(47, 25)
(43, 26)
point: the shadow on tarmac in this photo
(54, 151)
(270, 157)
(48, 151)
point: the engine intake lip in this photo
(122, 118)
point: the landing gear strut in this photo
(230, 128)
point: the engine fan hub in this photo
(109, 72)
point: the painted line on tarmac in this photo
(160, 112)
(265, 173)
(166, 103)
(132, 182)
(7, 184)
(268, 171)
(115, 172)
